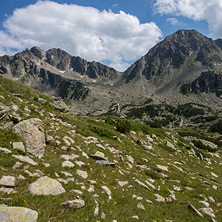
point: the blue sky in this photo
(113, 32)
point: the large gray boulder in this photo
(17, 214)
(46, 186)
(32, 132)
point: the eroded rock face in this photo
(17, 214)
(32, 132)
(46, 186)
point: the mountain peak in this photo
(172, 53)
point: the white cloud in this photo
(209, 10)
(81, 31)
(173, 21)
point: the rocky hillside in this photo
(56, 166)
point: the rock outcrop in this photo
(32, 132)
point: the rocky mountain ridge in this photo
(183, 68)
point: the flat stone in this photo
(140, 206)
(208, 211)
(66, 174)
(18, 146)
(69, 157)
(5, 150)
(106, 163)
(68, 164)
(206, 204)
(17, 165)
(7, 181)
(79, 163)
(107, 190)
(214, 175)
(164, 168)
(82, 173)
(77, 203)
(25, 159)
(46, 186)
(159, 198)
(17, 214)
(99, 156)
(77, 191)
(130, 159)
(6, 190)
(123, 183)
(143, 185)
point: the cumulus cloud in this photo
(196, 10)
(81, 31)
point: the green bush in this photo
(217, 127)
(123, 126)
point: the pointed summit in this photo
(173, 52)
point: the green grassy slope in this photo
(185, 179)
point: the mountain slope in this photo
(110, 169)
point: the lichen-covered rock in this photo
(17, 214)
(46, 186)
(32, 132)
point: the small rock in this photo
(7, 181)
(105, 163)
(211, 199)
(143, 185)
(206, 204)
(79, 163)
(99, 156)
(159, 198)
(140, 206)
(69, 157)
(208, 211)
(164, 168)
(214, 175)
(77, 191)
(77, 203)
(6, 190)
(123, 183)
(17, 165)
(96, 211)
(107, 190)
(130, 159)
(18, 146)
(68, 164)
(82, 173)
(91, 188)
(25, 159)
(5, 150)
(103, 215)
(66, 174)
(41, 100)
